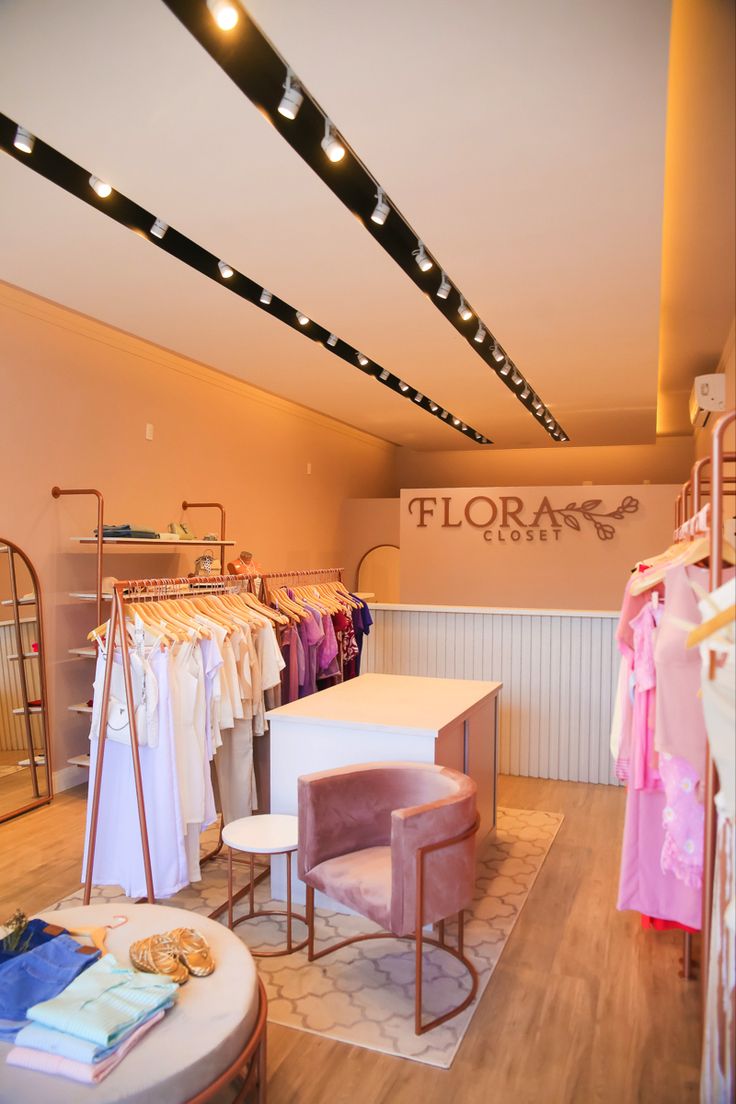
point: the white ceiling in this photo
(524, 141)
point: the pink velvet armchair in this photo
(396, 843)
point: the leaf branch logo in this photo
(587, 510)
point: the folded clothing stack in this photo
(84, 1031)
(41, 966)
(127, 530)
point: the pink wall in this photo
(76, 396)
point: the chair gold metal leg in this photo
(230, 888)
(262, 1071)
(287, 856)
(252, 884)
(310, 922)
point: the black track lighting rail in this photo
(67, 174)
(252, 62)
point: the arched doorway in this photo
(378, 573)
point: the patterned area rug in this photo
(364, 994)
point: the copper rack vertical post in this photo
(57, 492)
(718, 479)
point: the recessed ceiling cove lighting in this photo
(480, 334)
(332, 340)
(24, 140)
(331, 144)
(381, 210)
(292, 98)
(159, 228)
(224, 13)
(464, 310)
(362, 359)
(421, 257)
(403, 386)
(225, 270)
(266, 297)
(302, 319)
(102, 189)
(444, 289)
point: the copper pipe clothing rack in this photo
(717, 485)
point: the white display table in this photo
(384, 718)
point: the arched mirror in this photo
(378, 573)
(25, 770)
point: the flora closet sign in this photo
(529, 547)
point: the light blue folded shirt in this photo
(37, 1037)
(104, 1002)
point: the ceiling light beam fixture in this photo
(100, 187)
(292, 98)
(254, 65)
(72, 178)
(224, 12)
(421, 257)
(24, 140)
(331, 144)
(381, 210)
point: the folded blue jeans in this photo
(35, 933)
(39, 975)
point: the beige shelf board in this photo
(23, 621)
(80, 707)
(155, 542)
(84, 653)
(89, 595)
(79, 760)
(26, 655)
(20, 602)
(33, 709)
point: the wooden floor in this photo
(584, 1006)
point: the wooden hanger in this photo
(701, 632)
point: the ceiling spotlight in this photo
(422, 259)
(225, 270)
(23, 140)
(384, 374)
(480, 334)
(332, 340)
(537, 403)
(433, 407)
(497, 353)
(478, 437)
(444, 289)
(564, 437)
(224, 13)
(505, 369)
(292, 98)
(539, 411)
(381, 210)
(102, 189)
(548, 418)
(456, 421)
(362, 359)
(332, 146)
(516, 377)
(418, 397)
(266, 297)
(159, 228)
(464, 428)
(403, 386)
(444, 414)
(464, 310)
(302, 319)
(525, 393)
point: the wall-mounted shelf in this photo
(26, 655)
(84, 653)
(20, 711)
(79, 761)
(20, 602)
(89, 595)
(80, 707)
(156, 542)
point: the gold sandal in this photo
(158, 955)
(193, 950)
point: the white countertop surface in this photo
(404, 703)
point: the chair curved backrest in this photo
(405, 806)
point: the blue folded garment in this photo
(34, 934)
(39, 975)
(37, 1037)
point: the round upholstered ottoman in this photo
(198, 1041)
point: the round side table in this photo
(264, 834)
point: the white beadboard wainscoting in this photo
(559, 670)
